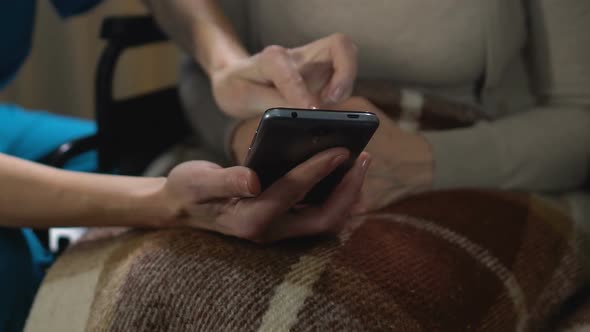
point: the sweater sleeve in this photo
(545, 148)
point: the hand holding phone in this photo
(286, 137)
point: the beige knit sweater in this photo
(527, 63)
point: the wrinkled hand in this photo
(317, 74)
(229, 201)
(402, 162)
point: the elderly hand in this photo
(402, 161)
(314, 75)
(229, 200)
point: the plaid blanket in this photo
(441, 261)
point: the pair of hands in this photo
(322, 74)
(229, 201)
(401, 161)
(314, 75)
(319, 74)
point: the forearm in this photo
(33, 195)
(545, 149)
(201, 28)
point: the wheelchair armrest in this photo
(131, 31)
(121, 33)
(67, 151)
(126, 126)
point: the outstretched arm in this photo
(196, 194)
(321, 72)
(39, 196)
(201, 29)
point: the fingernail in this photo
(249, 192)
(336, 94)
(365, 165)
(339, 159)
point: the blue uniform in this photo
(29, 135)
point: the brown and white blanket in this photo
(442, 261)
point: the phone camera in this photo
(294, 115)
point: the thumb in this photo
(229, 182)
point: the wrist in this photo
(157, 206)
(420, 163)
(215, 50)
(411, 163)
(222, 59)
(419, 153)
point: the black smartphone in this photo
(286, 137)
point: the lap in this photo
(438, 261)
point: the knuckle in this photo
(294, 77)
(345, 43)
(280, 64)
(343, 39)
(340, 37)
(274, 51)
(289, 76)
